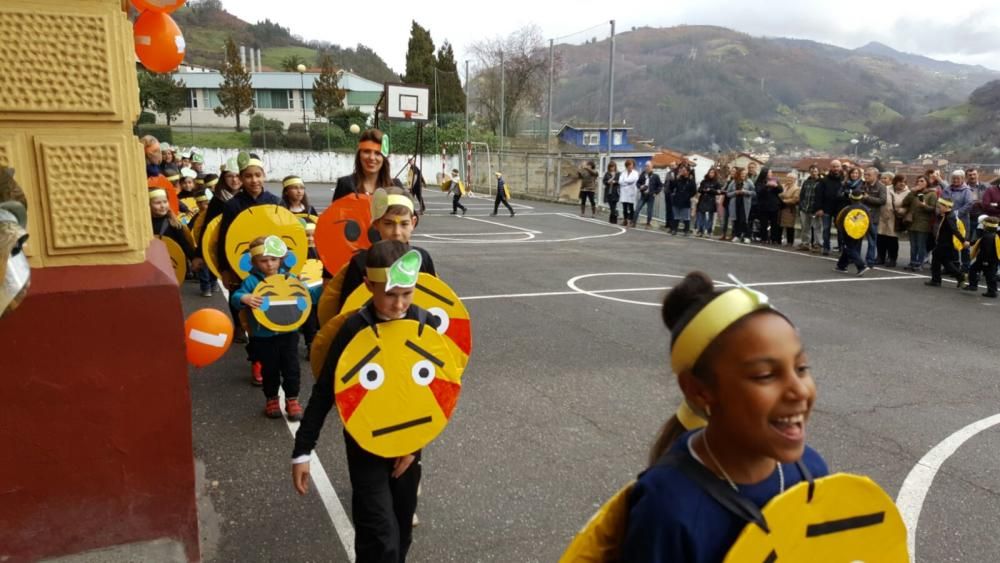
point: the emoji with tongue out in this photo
(396, 384)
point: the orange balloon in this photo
(165, 6)
(158, 41)
(161, 182)
(342, 230)
(207, 334)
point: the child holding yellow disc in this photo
(742, 368)
(384, 496)
(275, 348)
(166, 225)
(853, 222)
(394, 217)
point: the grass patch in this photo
(821, 138)
(212, 139)
(272, 56)
(956, 114)
(877, 112)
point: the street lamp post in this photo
(302, 83)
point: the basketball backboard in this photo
(407, 102)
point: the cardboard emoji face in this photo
(342, 229)
(265, 220)
(848, 518)
(210, 245)
(396, 388)
(440, 300)
(312, 273)
(177, 258)
(286, 303)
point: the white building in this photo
(277, 95)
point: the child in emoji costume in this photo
(167, 227)
(853, 221)
(393, 217)
(280, 304)
(744, 486)
(456, 190)
(503, 196)
(382, 443)
(950, 240)
(986, 257)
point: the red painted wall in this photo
(95, 412)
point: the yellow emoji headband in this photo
(244, 161)
(370, 145)
(382, 201)
(201, 197)
(157, 194)
(720, 313)
(294, 180)
(273, 246)
(211, 183)
(173, 178)
(688, 418)
(946, 203)
(404, 272)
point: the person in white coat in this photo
(629, 192)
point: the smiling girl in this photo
(371, 167)
(742, 368)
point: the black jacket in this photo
(651, 181)
(829, 196)
(706, 195)
(163, 228)
(768, 198)
(681, 190)
(345, 186)
(947, 228)
(239, 203)
(354, 275)
(986, 249)
(611, 187)
(321, 399)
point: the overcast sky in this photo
(965, 31)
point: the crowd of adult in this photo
(753, 205)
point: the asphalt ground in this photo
(569, 382)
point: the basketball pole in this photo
(502, 112)
(611, 92)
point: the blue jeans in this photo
(206, 280)
(681, 215)
(827, 228)
(918, 249)
(703, 222)
(872, 238)
(646, 200)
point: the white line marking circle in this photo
(910, 499)
(572, 284)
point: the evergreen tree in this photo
(327, 96)
(162, 94)
(451, 97)
(236, 93)
(420, 61)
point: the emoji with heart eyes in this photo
(270, 219)
(396, 385)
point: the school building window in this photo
(272, 99)
(192, 99)
(618, 138)
(591, 138)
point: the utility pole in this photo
(502, 114)
(548, 117)
(611, 91)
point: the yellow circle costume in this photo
(396, 385)
(856, 223)
(265, 220)
(177, 258)
(848, 518)
(312, 273)
(286, 303)
(210, 244)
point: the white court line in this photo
(505, 225)
(324, 488)
(451, 238)
(910, 499)
(619, 231)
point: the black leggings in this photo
(418, 194)
(628, 212)
(887, 249)
(279, 358)
(455, 204)
(584, 196)
(770, 227)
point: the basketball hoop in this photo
(407, 114)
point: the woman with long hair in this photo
(371, 167)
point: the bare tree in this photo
(526, 69)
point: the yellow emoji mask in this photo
(396, 385)
(263, 220)
(312, 273)
(210, 245)
(439, 300)
(845, 518)
(286, 303)
(177, 258)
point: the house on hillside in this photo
(593, 138)
(277, 95)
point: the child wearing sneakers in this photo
(853, 221)
(277, 352)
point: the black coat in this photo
(706, 195)
(768, 198)
(611, 187)
(829, 195)
(345, 186)
(681, 190)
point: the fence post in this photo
(555, 181)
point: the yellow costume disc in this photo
(961, 230)
(286, 303)
(312, 273)
(856, 223)
(210, 245)
(439, 300)
(262, 221)
(850, 518)
(396, 389)
(177, 258)
(446, 185)
(329, 300)
(996, 246)
(322, 340)
(506, 192)
(601, 538)
(190, 203)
